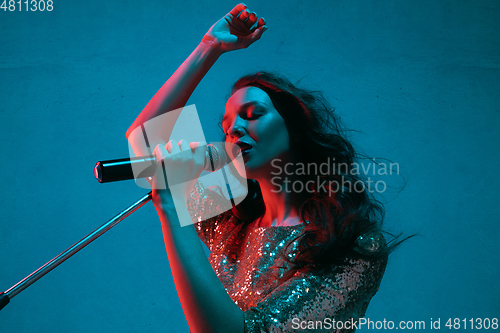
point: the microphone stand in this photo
(33, 277)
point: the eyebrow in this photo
(246, 105)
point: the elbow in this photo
(129, 131)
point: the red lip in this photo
(243, 147)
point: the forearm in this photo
(206, 304)
(176, 91)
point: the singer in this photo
(279, 257)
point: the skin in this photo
(251, 117)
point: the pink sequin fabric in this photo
(305, 302)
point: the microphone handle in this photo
(122, 169)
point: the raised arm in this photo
(204, 300)
(237, 30)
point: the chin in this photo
(240, 167)
(256, 172)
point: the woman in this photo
(285, 258)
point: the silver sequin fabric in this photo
(304, 303)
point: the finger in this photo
(168, 146)
(199, 150)
(244, 15)
(237, 9)
(183, 145)
(195, 145)
(254, 36)
(160, 153)
(262, 21)
(158, 181)
(173, 147)
(252, 18)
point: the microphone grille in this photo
(216, 153)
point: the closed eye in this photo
(249, 111)
(254, 116)
(255, 113)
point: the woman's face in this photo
(252, 123)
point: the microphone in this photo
(122, 169)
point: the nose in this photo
(238, 128)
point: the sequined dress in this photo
(297, 305)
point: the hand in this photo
(237, 30)
(183, 165)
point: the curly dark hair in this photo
(335, 217)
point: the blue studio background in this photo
(419, 80)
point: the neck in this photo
(281, 204)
